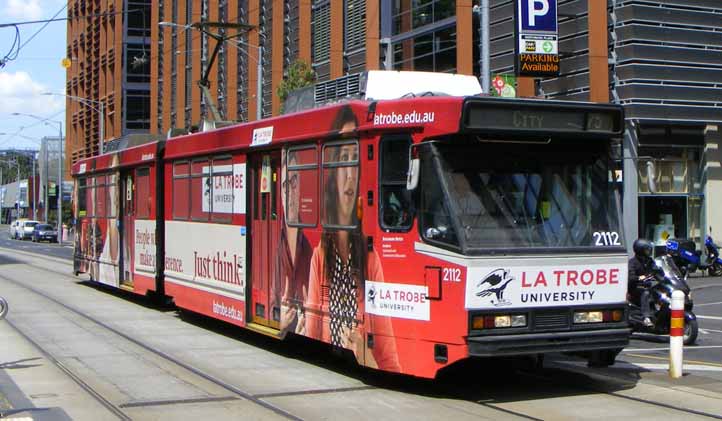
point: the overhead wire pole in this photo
(204, 26)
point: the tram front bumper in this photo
(538, 343)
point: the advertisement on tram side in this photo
(210, 257)
(97, 242)
(144, 247)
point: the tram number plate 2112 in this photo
(606, 238)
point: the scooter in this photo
(714, 261)
(688, 259)
(665, 279)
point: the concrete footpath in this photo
(33, 387)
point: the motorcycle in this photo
(665, 279)
(714, 261)
(688, 259)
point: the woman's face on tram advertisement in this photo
(347, 184)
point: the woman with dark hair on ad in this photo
(341, 264)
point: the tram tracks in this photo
(117, 409)
(503, 406)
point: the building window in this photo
(321, 27)
(139, 18)
(137, 109)
(137, 63)
(355, 25)
(410, 15)
(431, 52)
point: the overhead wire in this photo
(42, 27)
(14, 49)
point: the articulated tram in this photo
(414, 232)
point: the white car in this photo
(14, 228)
(25, 231)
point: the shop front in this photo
(670, 193)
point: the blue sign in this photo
(538, 15)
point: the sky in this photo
(36, 70)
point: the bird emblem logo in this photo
(494, 284)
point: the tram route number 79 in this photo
(451, 274)
(606, 238)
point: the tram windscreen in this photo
(519, 196)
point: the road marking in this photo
(707, 331)
(686, 348)
(706, 286)
(666, 359)
(650, 366)
(708, 304)
(709, 317)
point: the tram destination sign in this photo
(541, 120)
(537, 38)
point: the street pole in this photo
(485, 60)
(101, 131)
(259, 83)
(59, 190)
(46, 182)
(35, 208)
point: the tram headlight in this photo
(588, 317)
(498, 321)
(502, 321)
(518, 320)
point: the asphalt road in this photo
(63, 251)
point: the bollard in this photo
(676, 335)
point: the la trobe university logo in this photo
(493, 285)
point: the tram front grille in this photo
(547, 320)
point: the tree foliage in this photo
(299, 75)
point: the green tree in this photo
(299, 75)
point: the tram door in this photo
(126, 217)
(265, 304)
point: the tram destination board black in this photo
(542, 118)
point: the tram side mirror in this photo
(412, 176)
(651, 182)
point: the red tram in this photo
(414, 232)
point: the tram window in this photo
(395, 210)
(434, 212)
(200, 190)
(181, 190)
(340, 185)
(300, 186)
(82, 198)
(113, 202)
(222, 190)
(142, 193)
(100, 197)
(90, 196)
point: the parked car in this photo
(25, 230)
(14, 233)
(44, 232)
